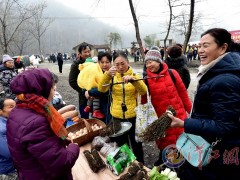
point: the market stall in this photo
(82, 171)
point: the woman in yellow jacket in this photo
(124, 97)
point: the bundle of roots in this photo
(133, 172)
(157, 128)
(94, 160)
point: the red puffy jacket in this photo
(165, 92)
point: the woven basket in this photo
(82, 124)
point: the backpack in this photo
(183, 73)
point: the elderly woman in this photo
(35, 131)
(216, 110)
(124, 97)
(7, 73)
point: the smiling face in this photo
(152, 66)
(209, 50)
(104, 63)
(85, 53)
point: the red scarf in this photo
(45, 108)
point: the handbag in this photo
(195, 149)
(145, 115)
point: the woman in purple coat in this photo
(35, 132)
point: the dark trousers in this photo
(84, 114)
(130, 135)
(60, 65)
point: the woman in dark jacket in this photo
(216, 109)
(176, 60)
(7, 74)
(35, 132)
(83, 54)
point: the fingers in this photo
(112, 71)
(127, 79)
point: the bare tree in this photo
(22, 40)
(137, 29)
(190, 23)
(12, 16)
(39, 23)
(169, 25)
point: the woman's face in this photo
(9, 64)
(208, 49)
(104, 63)
(85, 53)
(52, 92)
(121, 64)
(152, 66)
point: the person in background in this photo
(176, 61)
(83, 54)
(60, 61)
(124, 98)
(216, 108)
(35, 130)
(7, 74)
(89, 79)
(7, 169)
(165, 92)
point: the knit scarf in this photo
(45, 108)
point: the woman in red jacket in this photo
(166, 90)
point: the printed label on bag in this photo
(172, 157)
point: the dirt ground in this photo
(70, 96)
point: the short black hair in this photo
(82, 47)
(54, 78)
(2, 103)
(102, 54)
(122, 54)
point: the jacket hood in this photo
(35, 81)
(175, 63)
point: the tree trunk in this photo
(189, 30)
(137, 29)
(169, 28)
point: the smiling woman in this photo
(216, 109)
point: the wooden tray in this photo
(81, 140)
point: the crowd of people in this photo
(33, 135)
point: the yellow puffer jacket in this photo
(131, 93)
(90, 76)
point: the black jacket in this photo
(73, 75)
(180, 66)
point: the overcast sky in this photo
(153, 14)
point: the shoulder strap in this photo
(172, 76)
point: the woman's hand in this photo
(112, 71)
(127, 79)
(176, 122)
(87, 95)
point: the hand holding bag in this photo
(196, 150)
(145, 115)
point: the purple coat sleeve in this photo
(50, 151)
